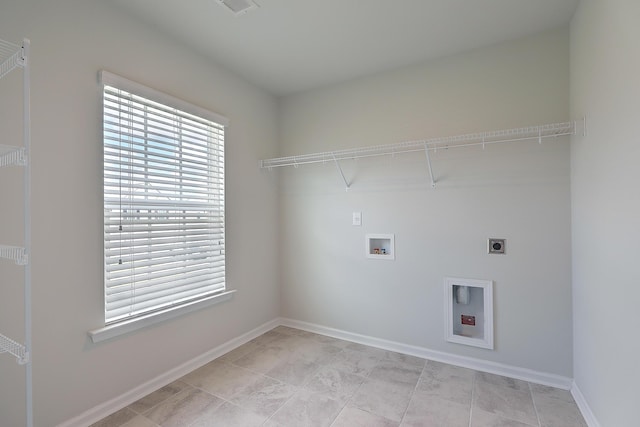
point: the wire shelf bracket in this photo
(12, 56)
(426, 151)
(538, 133)
(346, 184)
(15, 254)
(7, 345)
(16, 156)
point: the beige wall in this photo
(71, 41)
(519, 192)
(605, 73)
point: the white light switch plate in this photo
(357, 218)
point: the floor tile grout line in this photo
(506, 387)
(350, 397)
(473, 396)
(301, 387)
(228, 400)
(404, 413)
(279, 408)
(160, 402)
(297, 387)
(165, 400)
(535, 406)
(338, 416)
(366, 378)
(195, 388)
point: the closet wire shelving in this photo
(12, 57)
(540, 132)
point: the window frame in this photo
(128, 323)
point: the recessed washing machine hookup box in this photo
(469, 311)
(380, 246)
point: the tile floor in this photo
(288, 377)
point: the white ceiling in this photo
(287, 46)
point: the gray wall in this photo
(519, 192)
(605, 73)
(71, 41)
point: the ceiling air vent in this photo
(238, 7)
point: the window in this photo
(164, 234)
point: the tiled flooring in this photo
(289, 377)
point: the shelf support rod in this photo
(346, 184)
(26, 89)
(426, 152)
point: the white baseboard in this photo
(107, 408)
(584, 406)
(529, 375)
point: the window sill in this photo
(121, 328)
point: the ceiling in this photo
(288, 46)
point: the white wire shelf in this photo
(14, 253)
(11, 57)
(7, 345)
(16, 156)
(538, 133)
(481, 138)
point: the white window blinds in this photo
(163, 200)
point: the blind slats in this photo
(159, 251)
(144, 242)
(154, 264)
(161, 276)
(110, 89)
(129, 125)
(168, 227)
(208, 220)
(113, 175)
(173, 299)
(163, 201)
(139, 157)
(166, 191)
